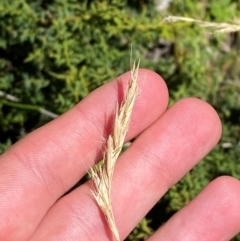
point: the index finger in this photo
(40, 168)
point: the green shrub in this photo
(53, 53)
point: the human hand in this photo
(38, 170)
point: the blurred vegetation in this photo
(53, 53)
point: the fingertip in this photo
(157, 83)
(151, 86)
(222, 197)
(204, 114)
(152, 100)
(227, 188)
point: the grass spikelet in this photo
(102, 174)
(216, 27)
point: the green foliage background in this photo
(53, 53)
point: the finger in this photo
(43, 166)
(159, 157)
(212, 216)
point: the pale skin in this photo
(37, 171)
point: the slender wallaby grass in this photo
(102, 174)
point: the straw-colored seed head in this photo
(102, 175)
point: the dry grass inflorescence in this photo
(102, 174)
(216, 27)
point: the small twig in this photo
(13, 101)
(102, 174)
(8, 96)
(48, 113)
